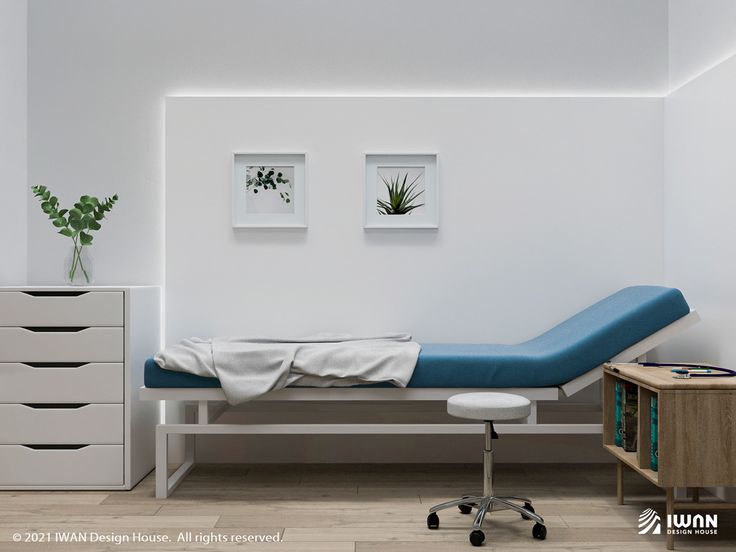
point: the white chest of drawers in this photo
(71, 362)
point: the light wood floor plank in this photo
(45, 497)
(361, 508)
(76, 510)
(42, 523)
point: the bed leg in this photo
(203, 412)
(189, 441)
(532, 419)
(162, 463)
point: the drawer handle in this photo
(55, 447)
(55, 364)
(69, 329)
(54, 293)
(65, 406)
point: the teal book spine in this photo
(631, 416)
(654, 445)
(619, 437)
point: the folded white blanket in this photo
(248, 367)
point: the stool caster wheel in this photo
(477, 537)
(528, 507)
(465, 509)
(539, 531)
(433, 521)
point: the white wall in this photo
(699, 210)
(99, 70)
(700, 172)
(13, 140)
(701, 34)
(700, 169)
(546, 206)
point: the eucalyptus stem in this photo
(77, 223)
(77, 262)
(73, 267)
(81, 264)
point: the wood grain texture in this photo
(697, 427)
(361, 508)
(609, 408)
(661, 378)
(697, 439)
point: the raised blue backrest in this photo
(611, 325)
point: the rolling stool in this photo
(489, 407)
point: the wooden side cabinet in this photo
(696, 432)
(71, 363)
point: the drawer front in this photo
(90, 465)
(55, 383)
(61, 308)
(39, 424)
(38, 345)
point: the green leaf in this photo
(87, 208)
(94, 225)
(46, 207)
(76, 223)
(59, 222)
(85, 239)
(63, 212)
(66, 232)
(75, 214)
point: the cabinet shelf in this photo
(630, 459)
(696, 423)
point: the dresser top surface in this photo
(660, 377)
(74, 288)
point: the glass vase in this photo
(78, 266)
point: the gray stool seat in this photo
(489, 406)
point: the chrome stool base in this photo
(488, 502)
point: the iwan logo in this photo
(650, 522)
(678, 524)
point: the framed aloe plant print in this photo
(269, 190)
(401, 191)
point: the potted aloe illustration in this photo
(76, 223)
(402, 197)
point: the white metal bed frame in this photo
(200, 417)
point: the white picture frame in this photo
(420, 170)
(255, 201)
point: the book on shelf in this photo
(618, 437)
(631, 415)
(654, 444)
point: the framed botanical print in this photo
(401, 191)
(269, 190)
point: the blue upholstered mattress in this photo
(559, 355)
